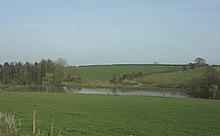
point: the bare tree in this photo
(62, 62)
(200, 61)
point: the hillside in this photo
(105, 73)
(172, 79)
(162, 76)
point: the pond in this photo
(105, 91)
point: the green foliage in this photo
(214, 92)
(207, 85)
(71, 74)
(96, 115)
(49, 79)
(44, 72)
(199, 62)
(59, 74)
(125, 77)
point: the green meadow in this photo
(217, 68)
(154, 76)
(106, 115)
(105, 73)
(172, 79)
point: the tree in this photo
(49, 79)
(200, 61)
(59, 74)
(28, 73)
(113, 80)
(43, 70)
(1, 74)
(37, 73)
(70, 73)
(62, 62)
(214, 92)
(46, 71)
(6, 73)
(18, 72)
(207, 85)
(50, 66)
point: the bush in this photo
(206, 86)
(125, 77)
(214, 92)
(113, 80)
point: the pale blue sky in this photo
(110, 31)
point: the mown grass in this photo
(106, 115)
(174, 79)
(105, 73)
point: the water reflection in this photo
(105, 91)
(50, 89)
(126, 92)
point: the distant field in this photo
(174, 79)
(104, 73)
(103, 115)
(217, 68)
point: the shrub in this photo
(125, 77)
(206, 86)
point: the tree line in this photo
(38, 73)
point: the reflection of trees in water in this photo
(79, 88)
(50, 89)
(114, 91)
(56, 89)
(72, 89)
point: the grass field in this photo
(217, 68)
(94, 115)
(174, 79)
(157, 75)
(105, 73)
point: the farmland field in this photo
(217, 68)
(174, 79)
(162, 76)
(105, 73)
(114, 115)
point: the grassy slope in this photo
(104, 73)
(217, 68)
(173, 79)
(115, 115)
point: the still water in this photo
(105, 91)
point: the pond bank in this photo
(122, 86)
(103, 91)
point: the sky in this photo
(110, 31)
